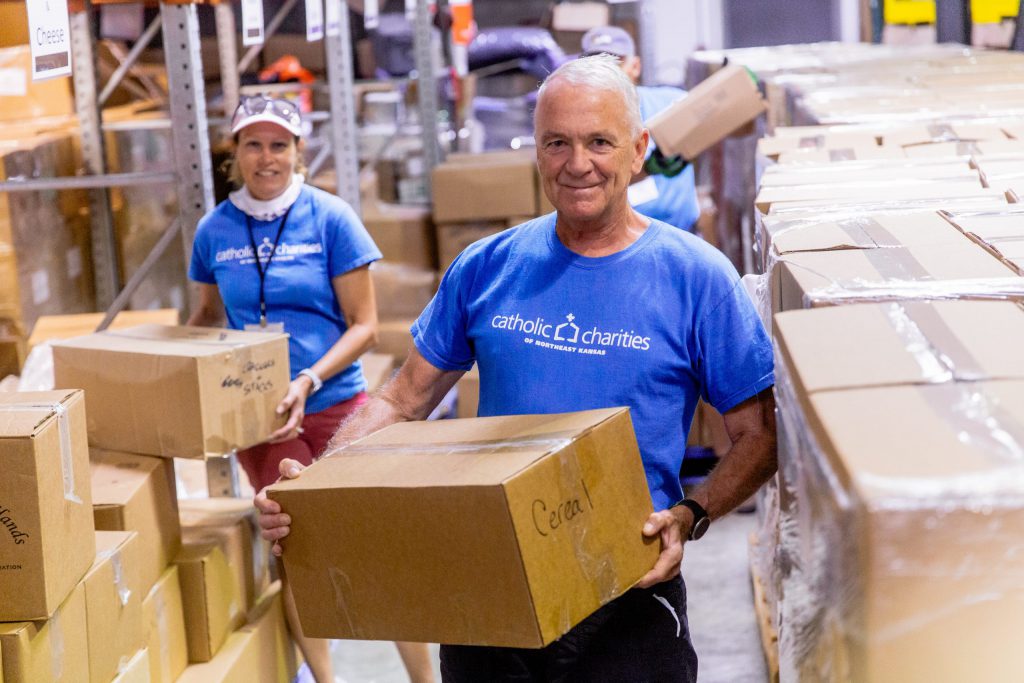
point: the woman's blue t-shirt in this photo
(322, 239)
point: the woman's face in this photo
(266, 157)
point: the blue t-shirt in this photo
(652, 327)
(323, 238)
(676, 203)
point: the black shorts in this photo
(640, 637)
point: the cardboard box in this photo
(54, 327)
(861, 171)
(453, 238)
(1000, 233)
(404, 234)
(944, 132)
(25, 99)
(12, 348)
(177, 391)
(377, 368)
(402, 291)
(231, 523)
(816, 138)
(164, 624)
(237, 662)
(276, 652)
(780, 237)
(876, 343)
(52, 651)
(113, 604)
(136, 670)
(896, 189)
(469, 393)
(907, 562)
(555, 521)
(484, 186)
(211, 598)
(965, 271)
(46, 529)
(394, 338)
(817, 155)
(137, 493)
(712, 110)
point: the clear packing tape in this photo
(825, 534)
(67, 464)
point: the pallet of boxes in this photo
(892, 285)
(105, 575)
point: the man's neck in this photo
(604, 236)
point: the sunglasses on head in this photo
(285, 110)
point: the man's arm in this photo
(750, 462)
(410, 395)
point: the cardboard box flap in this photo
(169, 340)
(481, 451)
(859, 232)
(990, 225)
(26, 413)
(123, 475)
(908, 342)
(946, 443)
(51, 327)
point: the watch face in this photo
(700, 528)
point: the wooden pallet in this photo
(762, 611)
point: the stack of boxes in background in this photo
(887, 230)
(106, 574)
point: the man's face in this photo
(585, 154)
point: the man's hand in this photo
(293, 403)
(669, 524)
(273, 522)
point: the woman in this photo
(280, 255)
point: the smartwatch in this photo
(314, 378)
(701, 521)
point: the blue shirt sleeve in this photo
(347, 242)
(199, 266)
(440, 333)
(735, 352)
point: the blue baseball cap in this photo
(608, 39)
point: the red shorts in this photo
(261, 462)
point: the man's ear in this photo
(640, 150)
(632, 68)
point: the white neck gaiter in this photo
(272, 208)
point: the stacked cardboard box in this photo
(900, 491)
(478, 195)
(908, 265)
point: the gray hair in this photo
(601, 71)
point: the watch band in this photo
(701, 521)
(314, 378)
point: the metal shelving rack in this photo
(190, 128)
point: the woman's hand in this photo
(294, 404)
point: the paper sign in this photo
(371, 14)
(332, 17)
(49, 38)
(314, 20)
(252, 22)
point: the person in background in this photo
(281, 255)
(669, 199)
(595, 264)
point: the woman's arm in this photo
(210, 311)
(354, 290)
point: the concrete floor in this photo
(720, 611)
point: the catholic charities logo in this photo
(283, 252)
(570, 337)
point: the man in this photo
(670, 199)
(659, 317)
